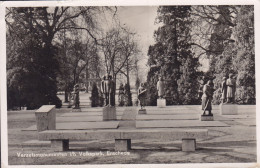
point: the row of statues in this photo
(228, 89)
(142, 92)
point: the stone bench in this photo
(60, 138)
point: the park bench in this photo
(60, 138)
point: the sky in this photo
(141, 19)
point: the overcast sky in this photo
(142, 21)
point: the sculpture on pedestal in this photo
(141, 95)
(201, 85)
(76, 96)
(231, 88)
(207, 97)
(107, 87)
(224, 90)
(111, 91)
(121, 94)
(160, 88)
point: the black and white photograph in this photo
(170, 84)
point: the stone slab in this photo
(109, 113)
(133, 134)
(122, 145)
(82, 119)
(161, 103)
(99, 109)
(46, 118)
(82, 114)
(60, 145)
(239, 116)
(82, 125)
(76, 110)
(142, 111)
(36, 143)
(45, 108)
(172, 112)
(168, 117)
(188, 145)
(249, 123)
(164, 134)
(206, 118)
(178, 124)
(228, 109)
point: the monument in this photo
(76, 101)
(223, 90)
(121, 94)
(141, 97)
(207, 96)
(161, 102)
(108, 90)
(228, 106)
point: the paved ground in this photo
(233, 139)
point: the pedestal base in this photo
(188, 145)
(122, 145)
(206, 118)
(76, 110)
(60, 145)
(109, 113)
(142, 111)
(161, 103)
(228, 109)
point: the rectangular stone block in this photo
(161, 103)
(142, 111)
(122, 145)
(206, 118)
(46, 118)
(60, 145)
(228, 109)
(109, 113)
(188, 145)
(76, 110)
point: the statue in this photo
(76, 96)
(201, 85)
(207, 97)
(111, 87)
(141, 95)
(160, 88)
(107, 87)
(121, 94)
(223, 90)
(231, 88)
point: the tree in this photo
(35, 30)
(171, 56)
(118, 48)
(244, 60)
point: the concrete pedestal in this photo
(122, 145)
(60, 145)
(228, 109)
(46, 118)
(76, 110)
(206, 118)
(109, 113)
(188, 145)
(161, 103)
(142, 111)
